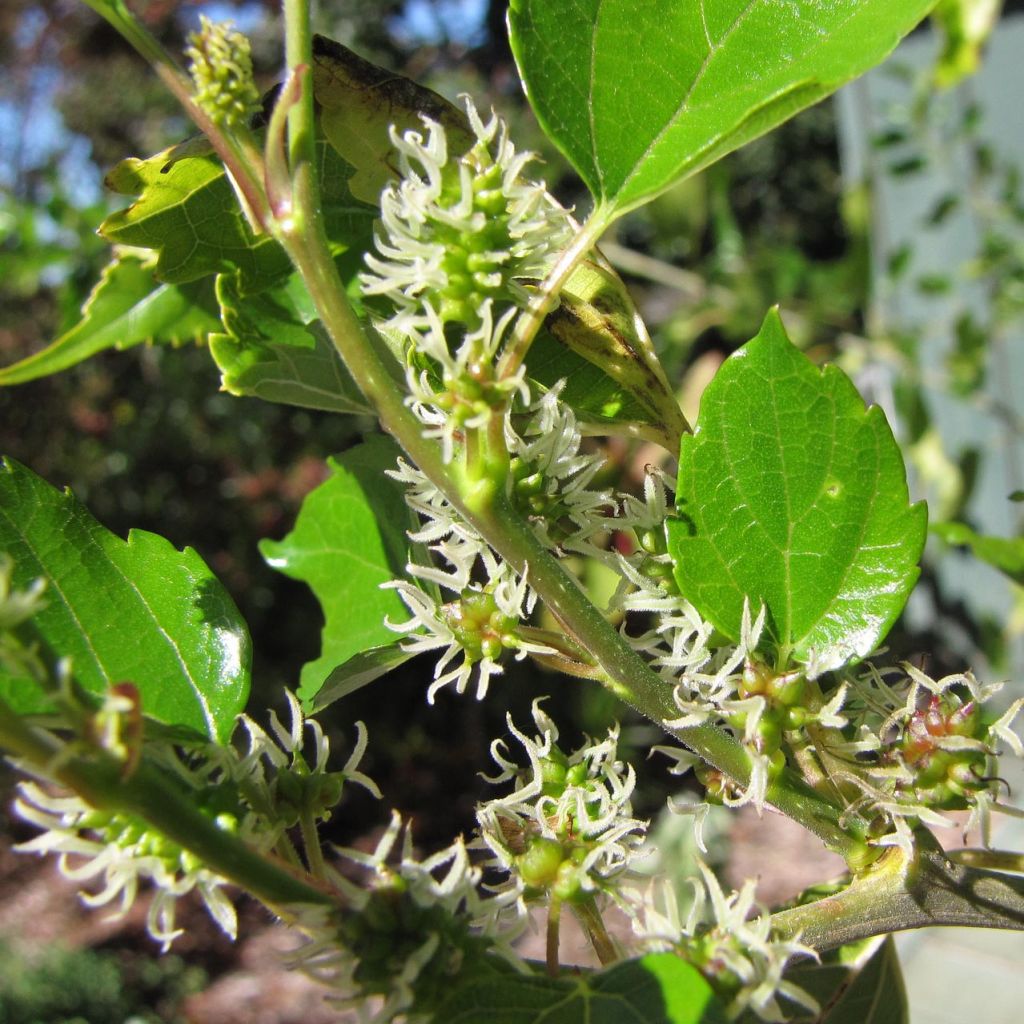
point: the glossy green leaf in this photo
(186, 210)
(657, 989)
(641, 93)
(349, 539)
(1004, 553)
(137, 610)
(275, 348)
(360, 670)
(791, 493)
(613, 378)
(127, 307)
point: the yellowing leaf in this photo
(359, 101)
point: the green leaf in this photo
(136, 610)
(641, 93)
(875, 994)
(349, 539)
(186, 210)
(360, 670)
(657, 989)
(613, 377)
(359, 102)
(794, 495)
(276, 349)
(1004, 553)
(125, 308)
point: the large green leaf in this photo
(186, 210)
(128, 306)
(657, 989)
(1004, 553)
(641, 93)
(136, 610)
(275, 348)
(794, 495)
(349, 539)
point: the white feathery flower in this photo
(474, 631)
(439, 517)
(286, 751)
(461, 236)
(567, 826)
(737, 952)
(123, 852)
(550, 478)
(710, 692)
(933, 748)
(443, 199)
(448, 913)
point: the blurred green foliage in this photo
(54, 985)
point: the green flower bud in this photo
(539, 865)
(221, 69)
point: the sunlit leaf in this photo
(275, 348)
(594, 341)
(657, 989)
(641, 93)
(134, 611)
(793, 494)
(127, 307)
(349, 539)
(186, 210)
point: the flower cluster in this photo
(220, 63)
(475, 630)
(550, 480)
(566, 830)
(124, 851)
(550, 477)
(410, 928)
(461, 231)
(919, 746)
(256, 795)
(461, 236)
(737, 953)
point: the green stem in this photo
(117, 14)
(311, 844)
(301, 124)
(993, 860)
(896, 895)
(149, 793)
(552, 935)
